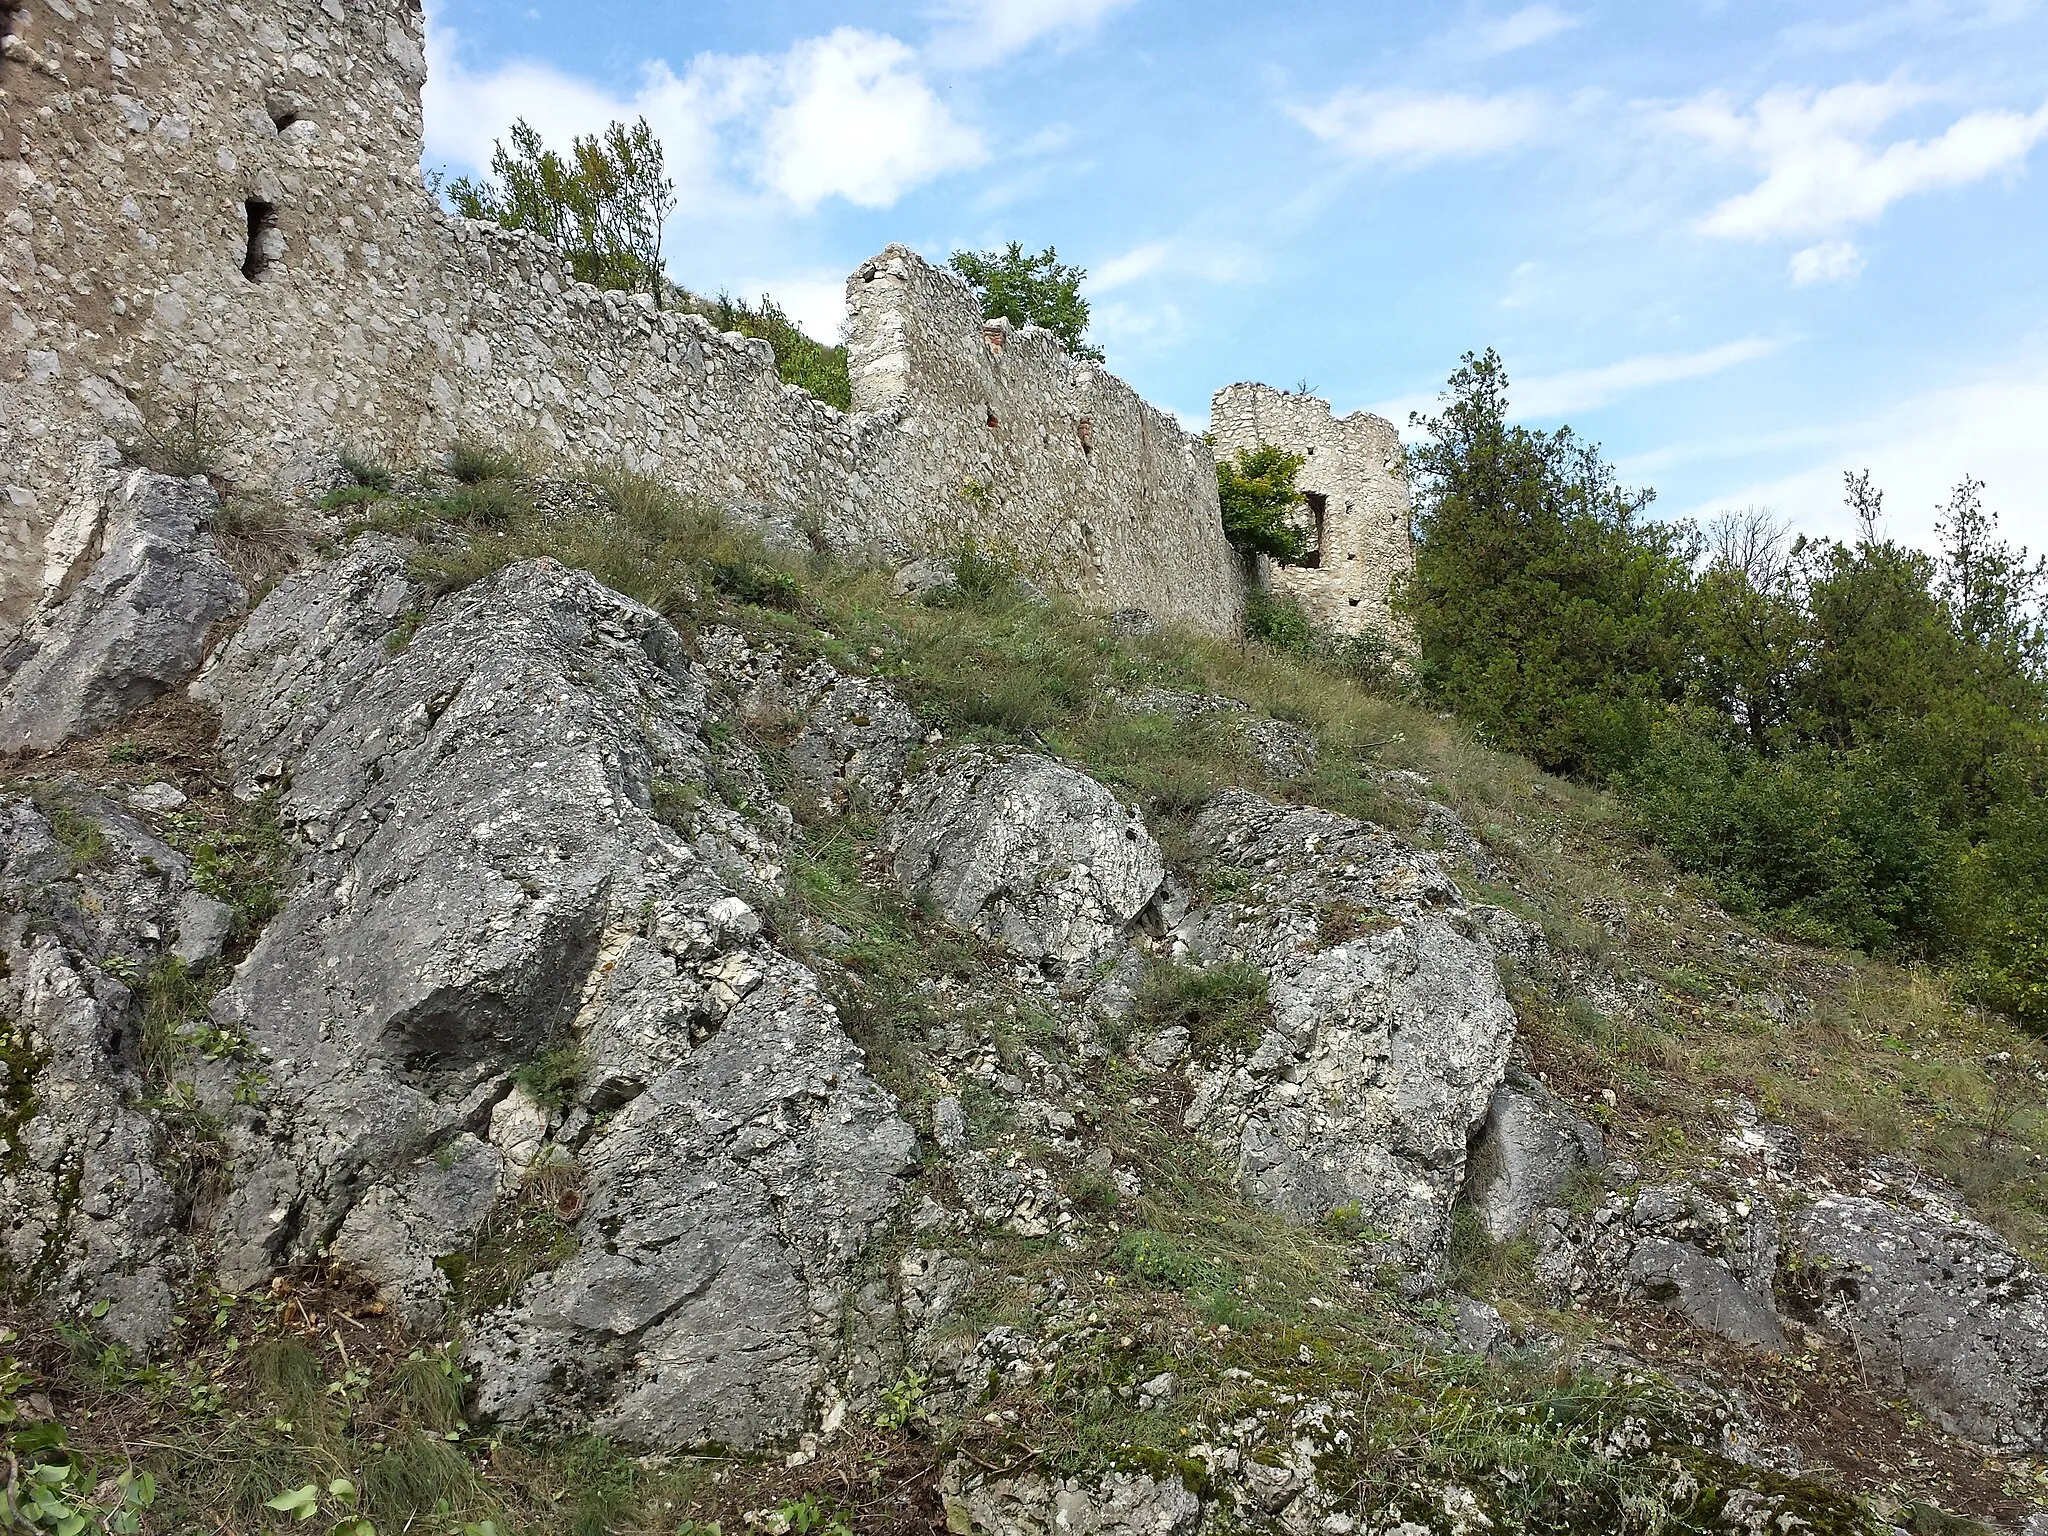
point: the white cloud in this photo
(815, 300)
(1943, 17)
(858, 121)
(1917, 450)
(846, 115)
(1532, 24)
(1416, 127)
(1121, 327)
(1822, 171)
(1129, 267)
(1832, 261)
(1187, 257)
(975, 33)
(1582, 389)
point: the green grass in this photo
(1223, 1008)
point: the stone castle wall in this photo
(211, 201)
(1355, 465)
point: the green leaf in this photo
(303, 1502)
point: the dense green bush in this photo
(799, 360)
(1849, 738)
(1258, 496)
(1547, 611)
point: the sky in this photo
(1743, 246)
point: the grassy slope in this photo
(311, 1382)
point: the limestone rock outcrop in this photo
(1529, 1152)
(1938, 1306)
(1129, 1503)
(1390, 1034)
(1026, 851)
(136, 623)
(495, 885)
(1709, 1256)
(87, 1214)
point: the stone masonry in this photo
(220, 202)
(1356, 484)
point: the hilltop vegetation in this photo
(1848, 739)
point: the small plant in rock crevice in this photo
(1224, 1008)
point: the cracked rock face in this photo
(855, 735)
(133, 626)
(1711, 1257)
(1938, 1307)
(1391, 1031)
(86, 1213)
(1530, 1151)
(486, 879)
(1028, 1504)
(1027, 851)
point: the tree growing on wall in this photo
(1031, 290)
(1259, 499)
(604, 205)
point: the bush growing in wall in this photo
(1031, 290)
(1259, 500)
(604, 206)
(799, 359)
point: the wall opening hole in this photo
(1318, 521)
(1354, 602)
(1086, 431)
(261, 249)
(283, 117)
(992, 423)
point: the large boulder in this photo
(1390, 1029)
(1029, 852)
(1711, 1256)
(87, 1215)
(1528, 1155)
(136, 624)
(1938, 1307)
(518, 869)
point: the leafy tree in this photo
(1256, 489)
(1546, 609)
(604, 206)
(1031, 290)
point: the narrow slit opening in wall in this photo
(1318, 521)
(262, 219)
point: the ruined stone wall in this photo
(209, 201)
(1006, 439)
(1355, 465)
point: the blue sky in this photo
(1743, 246)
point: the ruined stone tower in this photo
(1355, 482)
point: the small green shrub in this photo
(365, 470)
(1278, 622)
(752, 581)
(553, 1077)
(1259, 501)
(1224, 1008)
(473, 462)
(177, 439)
(491, 504)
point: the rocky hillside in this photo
(559, 1015)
